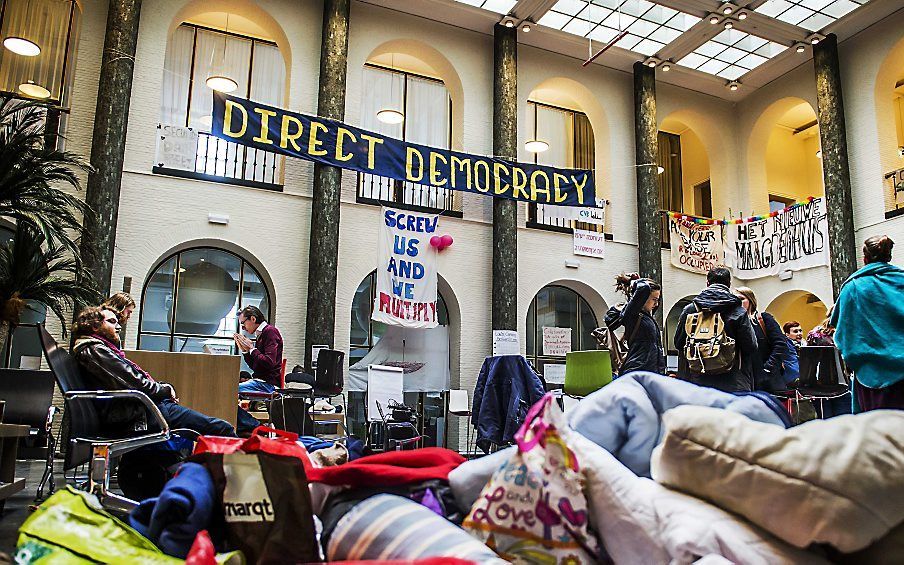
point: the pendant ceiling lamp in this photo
(218, 79)
(18, 43)
(391, 115)
(535, 146)
(29, 88)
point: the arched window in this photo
(189, 302)
(196, 51)
(426, 107)
(365, 333)
(558, 307)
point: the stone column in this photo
(108, 145)
(649, 226)
(835, 172)
(323, 253)
(505, 144)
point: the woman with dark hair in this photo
(645, 352)
(868, 321)
(771, 345)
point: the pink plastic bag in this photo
(533, 509)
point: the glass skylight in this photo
(813, 15)
(499, 6)
(731, 54)
(650, 26)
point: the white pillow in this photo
(838, 481)
(640, 521)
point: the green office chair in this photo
(587, 372)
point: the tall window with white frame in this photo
(569, 137)
(185, 146)
(421, 112)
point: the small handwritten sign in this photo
(556, 341)
(505, 342)
(177, 147)
(554, 374)
(589, 243)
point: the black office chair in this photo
(329, 379)
(29, 396)
(87, 439)
(823, 375)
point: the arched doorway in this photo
(800, 306)
(671, 325)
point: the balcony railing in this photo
(185, 152)
(373, 189)
(538, 218)
(894, 193)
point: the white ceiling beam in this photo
(532, 10)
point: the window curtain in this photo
(382, 89)
(555, 127)
(177, 77)
(268, 75)
(209, 60)
(46, 23)
(427, 123)
(670, 189)
(584, 145)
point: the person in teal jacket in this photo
(869, 322)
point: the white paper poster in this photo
(554, 374)
(177, 147)
(556, 341)
(695, 247)
(589, 243)
(505, 342)
(406, 271)
(795, 239)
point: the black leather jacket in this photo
(106, 370)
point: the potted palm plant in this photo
(40, 268)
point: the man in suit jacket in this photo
(264, 355)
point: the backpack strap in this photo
(759, 318)
(630, 336)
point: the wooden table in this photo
(9, 445)
(206, 383)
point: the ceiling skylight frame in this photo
(732, 54)
(812, 15)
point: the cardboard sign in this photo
(556, 341)
(554, 374)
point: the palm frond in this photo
(33, 176)
(47, 273)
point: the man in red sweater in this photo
(264, 355)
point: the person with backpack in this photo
(645, 351)
(715, 338)
(868, 318)
(772, 347)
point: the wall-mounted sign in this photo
(556, 341)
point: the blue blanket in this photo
(183, 509)
(625, 417)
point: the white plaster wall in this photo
(159, 214)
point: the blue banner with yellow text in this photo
(334, 143)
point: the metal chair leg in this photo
(99, 482)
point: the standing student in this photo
(795, 334)
(771, 345)
(869, 317)
(791, 365)
(645, 351)
(717, 297)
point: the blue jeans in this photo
(178, 416)
(832, 407)
(254, 385)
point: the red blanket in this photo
(391, 468)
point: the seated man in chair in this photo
(96, 348)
